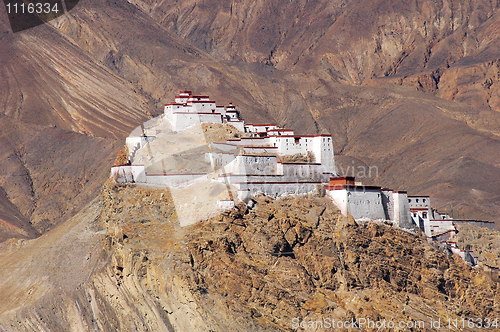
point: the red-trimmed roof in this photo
(351, 187)
(299, 136)
(198, 96)
(252, 155)
(200, 101)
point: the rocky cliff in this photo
(124, 264)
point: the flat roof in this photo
(351, 187)
(200, 101)
(299, 136)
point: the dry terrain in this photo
(409, 89)
(124, 263)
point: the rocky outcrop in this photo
(257, 269)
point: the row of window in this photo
(417, 200)
(424, 215)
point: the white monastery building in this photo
(258, 162)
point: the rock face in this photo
(257, 270)
(484, 242)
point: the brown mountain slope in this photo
(100, 68)
(13, 223)
(48, 81)
(49, 174)
(447, 48)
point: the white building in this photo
(259, 163)
(189, 109)
(369, 202)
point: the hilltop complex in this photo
(172, 150)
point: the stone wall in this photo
(172, 180)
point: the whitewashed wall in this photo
(402, 210)
(303, 171)
(172, 180)
(252, 165)
(278, 189)
(339, 198)
(361, 204)
(183, 120)
(128, 173)
(259, 149)
(218, 160)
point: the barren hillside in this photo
(124, 263)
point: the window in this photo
(409, 201)
(297, 140)
(424, 215)
(416, 200)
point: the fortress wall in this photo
(211, 118)
(388, 204)
(221, 110)
(339, 198)
(278, 189)
(238, 124)
(172, 180)
(128, 173)
(258, 150)
(439, 226)
(219, 159)
(478, 223)
(361, 204)
(251, 141)
(303, 172)
(203, 107)
(402, 210)
(224, 146)
(252, 165)
(365, 205)
(181, 121)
